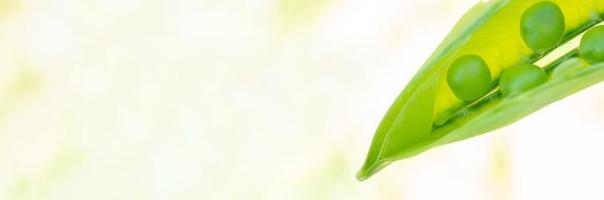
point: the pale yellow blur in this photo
(253, 99)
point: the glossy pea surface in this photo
(521, 78)
(469, 77)
(542, 26)
(592, 45)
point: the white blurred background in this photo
(253, 99)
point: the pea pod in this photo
(428, 114)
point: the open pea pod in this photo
(427, 113)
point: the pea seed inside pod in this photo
(542, 26)
(469, 77)
(521, 78)
(592, 45)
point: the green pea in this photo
(469, 77)
(592, 45)
(542, 26)
(568, 68)
(521, 78)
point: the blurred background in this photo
(253, 99)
